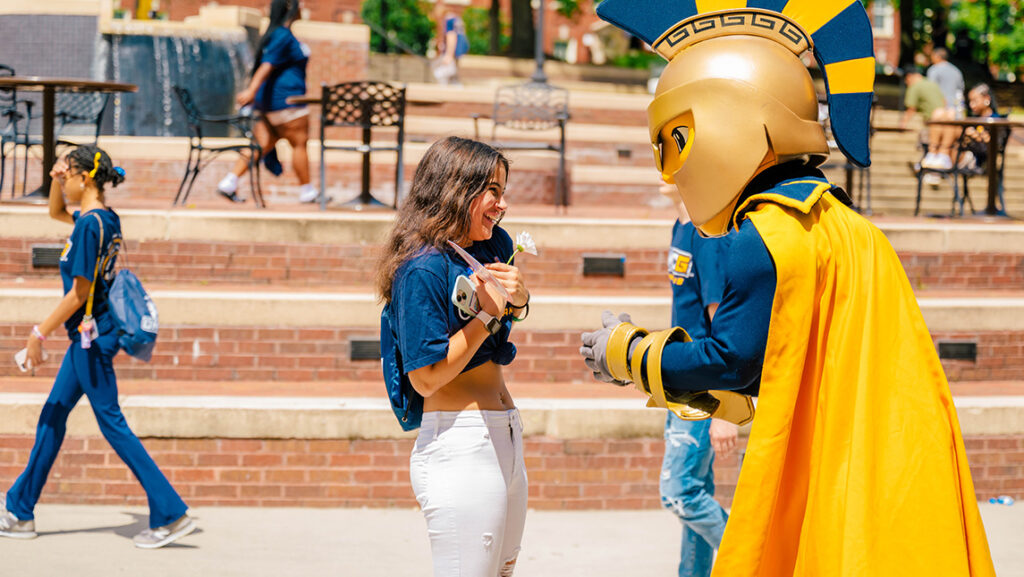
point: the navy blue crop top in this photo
(421, 313)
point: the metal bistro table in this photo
(49, 87)
(995, 125)
(364, 199)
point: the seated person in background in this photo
(981, 101)
(950, 80)
(925, 97)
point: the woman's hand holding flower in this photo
(512, 279)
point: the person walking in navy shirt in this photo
(278, 73)
(87, 270)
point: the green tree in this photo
(478, 30)
(523, 29)
(404, 21)
(1002, 24)
(963, 24)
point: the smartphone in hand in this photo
(464, 296)
(23, 362)
(21, 358)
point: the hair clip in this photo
(119, 171)
(95, 165)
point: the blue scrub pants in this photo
(688, 488)
(91, 371)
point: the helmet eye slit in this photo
(679, 134)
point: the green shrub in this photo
(406, 22)
(641, 59)
(478, 30)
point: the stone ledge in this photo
(371, 418)
(562, 232)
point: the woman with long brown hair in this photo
(442, 364)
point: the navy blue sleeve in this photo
(420, 302)
(732, 356)
(711, 262)
(279, 49)
(84, 249)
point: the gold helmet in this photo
(735, 98)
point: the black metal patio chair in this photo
(365, 105)
(532, 106)
(201, 153)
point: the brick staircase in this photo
(253, 396)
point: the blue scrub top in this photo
(288, 78)
(79, 259)
(695, 272)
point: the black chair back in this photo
(81, 109)
(363, 104)
(8, 96)
(192, 114)
(530, 106)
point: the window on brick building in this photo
(882, 18)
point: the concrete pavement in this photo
(95, 541)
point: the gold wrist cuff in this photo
(692, 405)
(734, 407)
(637, 364)
(617, 353)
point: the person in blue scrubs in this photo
(687, 482)
(87, 270)
(279, 72)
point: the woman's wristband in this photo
(38, 334)
(522, 306)
(526, 313)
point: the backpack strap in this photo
(96, 272)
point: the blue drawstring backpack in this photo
(133, 311)
(405, 401)
(135, 315)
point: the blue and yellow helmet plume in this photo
(837, 31)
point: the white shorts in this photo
(469, 477)
(286, 115)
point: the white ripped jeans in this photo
(468, 474)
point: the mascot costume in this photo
(855, 465)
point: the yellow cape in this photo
(855, 464)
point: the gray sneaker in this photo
(11, 527)
(156, 538)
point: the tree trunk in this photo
(940, 26)
(495, 23)
(908, 46)
(522, 29)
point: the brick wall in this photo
(564, 474)
(334, 61)
(320, 10)
(322, 354)
(304, 264)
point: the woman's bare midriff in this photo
(480, 388)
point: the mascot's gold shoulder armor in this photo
(855, 464)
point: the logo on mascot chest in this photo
(680, 266)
